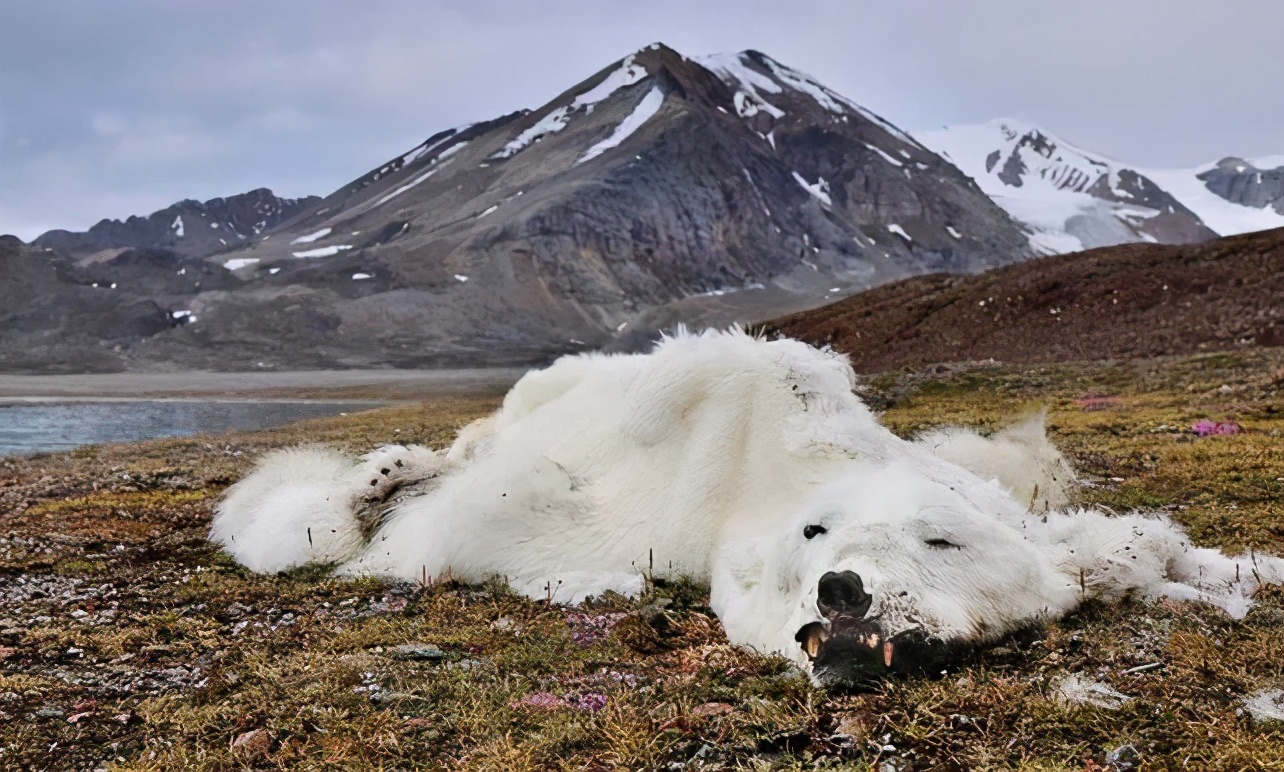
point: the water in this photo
(40, 427)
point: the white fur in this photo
(1019, 457)
(298, 505)
(707, 457)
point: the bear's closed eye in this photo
(810, 531)
(942, 544)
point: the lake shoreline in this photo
(60, 424)
(323, 385)
(197, 398)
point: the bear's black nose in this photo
(842, 594)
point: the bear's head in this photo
(890, 568)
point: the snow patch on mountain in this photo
(625, 75)
(309, 238)
(1226, 217)
(886, 157)
(427, 147)
(820, 189)
(1071, 199)
(323, 251)
(800, 82)
(645, 109)
(410, 184)
(549, 124)
(829, 99)
(732, 70)
(736, 71)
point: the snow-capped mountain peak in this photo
(738, 71)
(1069, 197)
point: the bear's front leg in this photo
(385, 470)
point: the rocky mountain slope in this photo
(1073, 199)
(660, 190)
(56, 316)
(188, 228)
(1132, 300)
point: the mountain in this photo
(1073, 199)
(188, 228)
(1129, 300)
(1070, 198)
(1233, 195)
(56, 316)
(662, 189)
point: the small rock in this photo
(850, 732)
(418, 651)
(1079, 689)
(1266, 705)
(710, 709)
(1125, 758)
(252, 744)
(386, 698)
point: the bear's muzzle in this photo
(850, 650)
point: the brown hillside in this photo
(1134, 300)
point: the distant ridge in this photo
(1132, 300)
(188, 228)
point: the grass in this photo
(127, 640)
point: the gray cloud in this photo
(111, 109)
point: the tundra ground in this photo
(127, 640)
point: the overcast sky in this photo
(118, 107)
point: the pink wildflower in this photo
(1095, 402)
(1207, 428)
(587, 629)
(590, 701)
(544, 700)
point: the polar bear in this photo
(745, 463)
